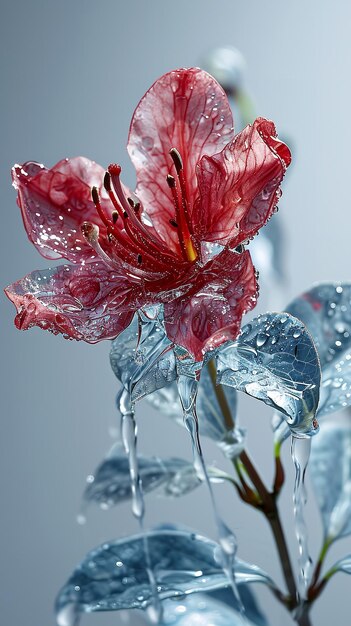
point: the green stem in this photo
(316, 586)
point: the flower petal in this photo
(239, 187)
(212, 313)
(55, 202)
(185, 109)
(86, 302)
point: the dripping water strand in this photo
(187, 388)
(129, 437)
(300, 452)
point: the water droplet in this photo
(261, 340)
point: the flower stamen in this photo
(182, 211)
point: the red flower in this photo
(197, 186)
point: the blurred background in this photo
(71, 77)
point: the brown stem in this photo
(304, 618)
(268, 500)
(270, 510)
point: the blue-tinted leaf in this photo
(326, 311)
(344, 565)
(114, 576)
(274, 360)
(247, 595)
(202, 610)
(110, 484)
(142, 356)
(210, 416)
(143, 359)
(330, 467)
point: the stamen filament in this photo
(141, 233)
(101, 212)
(181, 207)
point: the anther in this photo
(171, 181)
(114, 216)
(240, 249)
(173, 223)
(90, 231)
(177, 159)
(95, 195)
(107, 181)
(134, 204)
(140, 259)
(125, 214)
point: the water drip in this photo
(300, 452)
(129, 437)
(187, 388)
(68, 616)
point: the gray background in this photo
(72, 74)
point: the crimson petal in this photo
(185, 109)
(55, 202)
(226, 288)
(240, 187)
(88, 302)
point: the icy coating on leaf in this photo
(330, 467)
(344, 565)
(144, 360)
(110, 483)
(326, 311)
(142, 357)
(114, 576)
(274, 360)
(203, 610)
(211, 420)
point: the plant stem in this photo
(268, 504)
(221, 397)
(270, 509)
(316, 586)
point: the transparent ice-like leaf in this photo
(142, 357)
(114, 575)
(211, 420)
(203, 610)
(330, 467)
(326, 311)
(110, 484)
(343, 565)
(274, 359)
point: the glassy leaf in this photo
(344, 565)
(114, 576)
(202, 610)
(253, 611)
(142, 357)
(210, 416)
(274, 360)
(326, 311)
(330, 467)
(110, 484)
